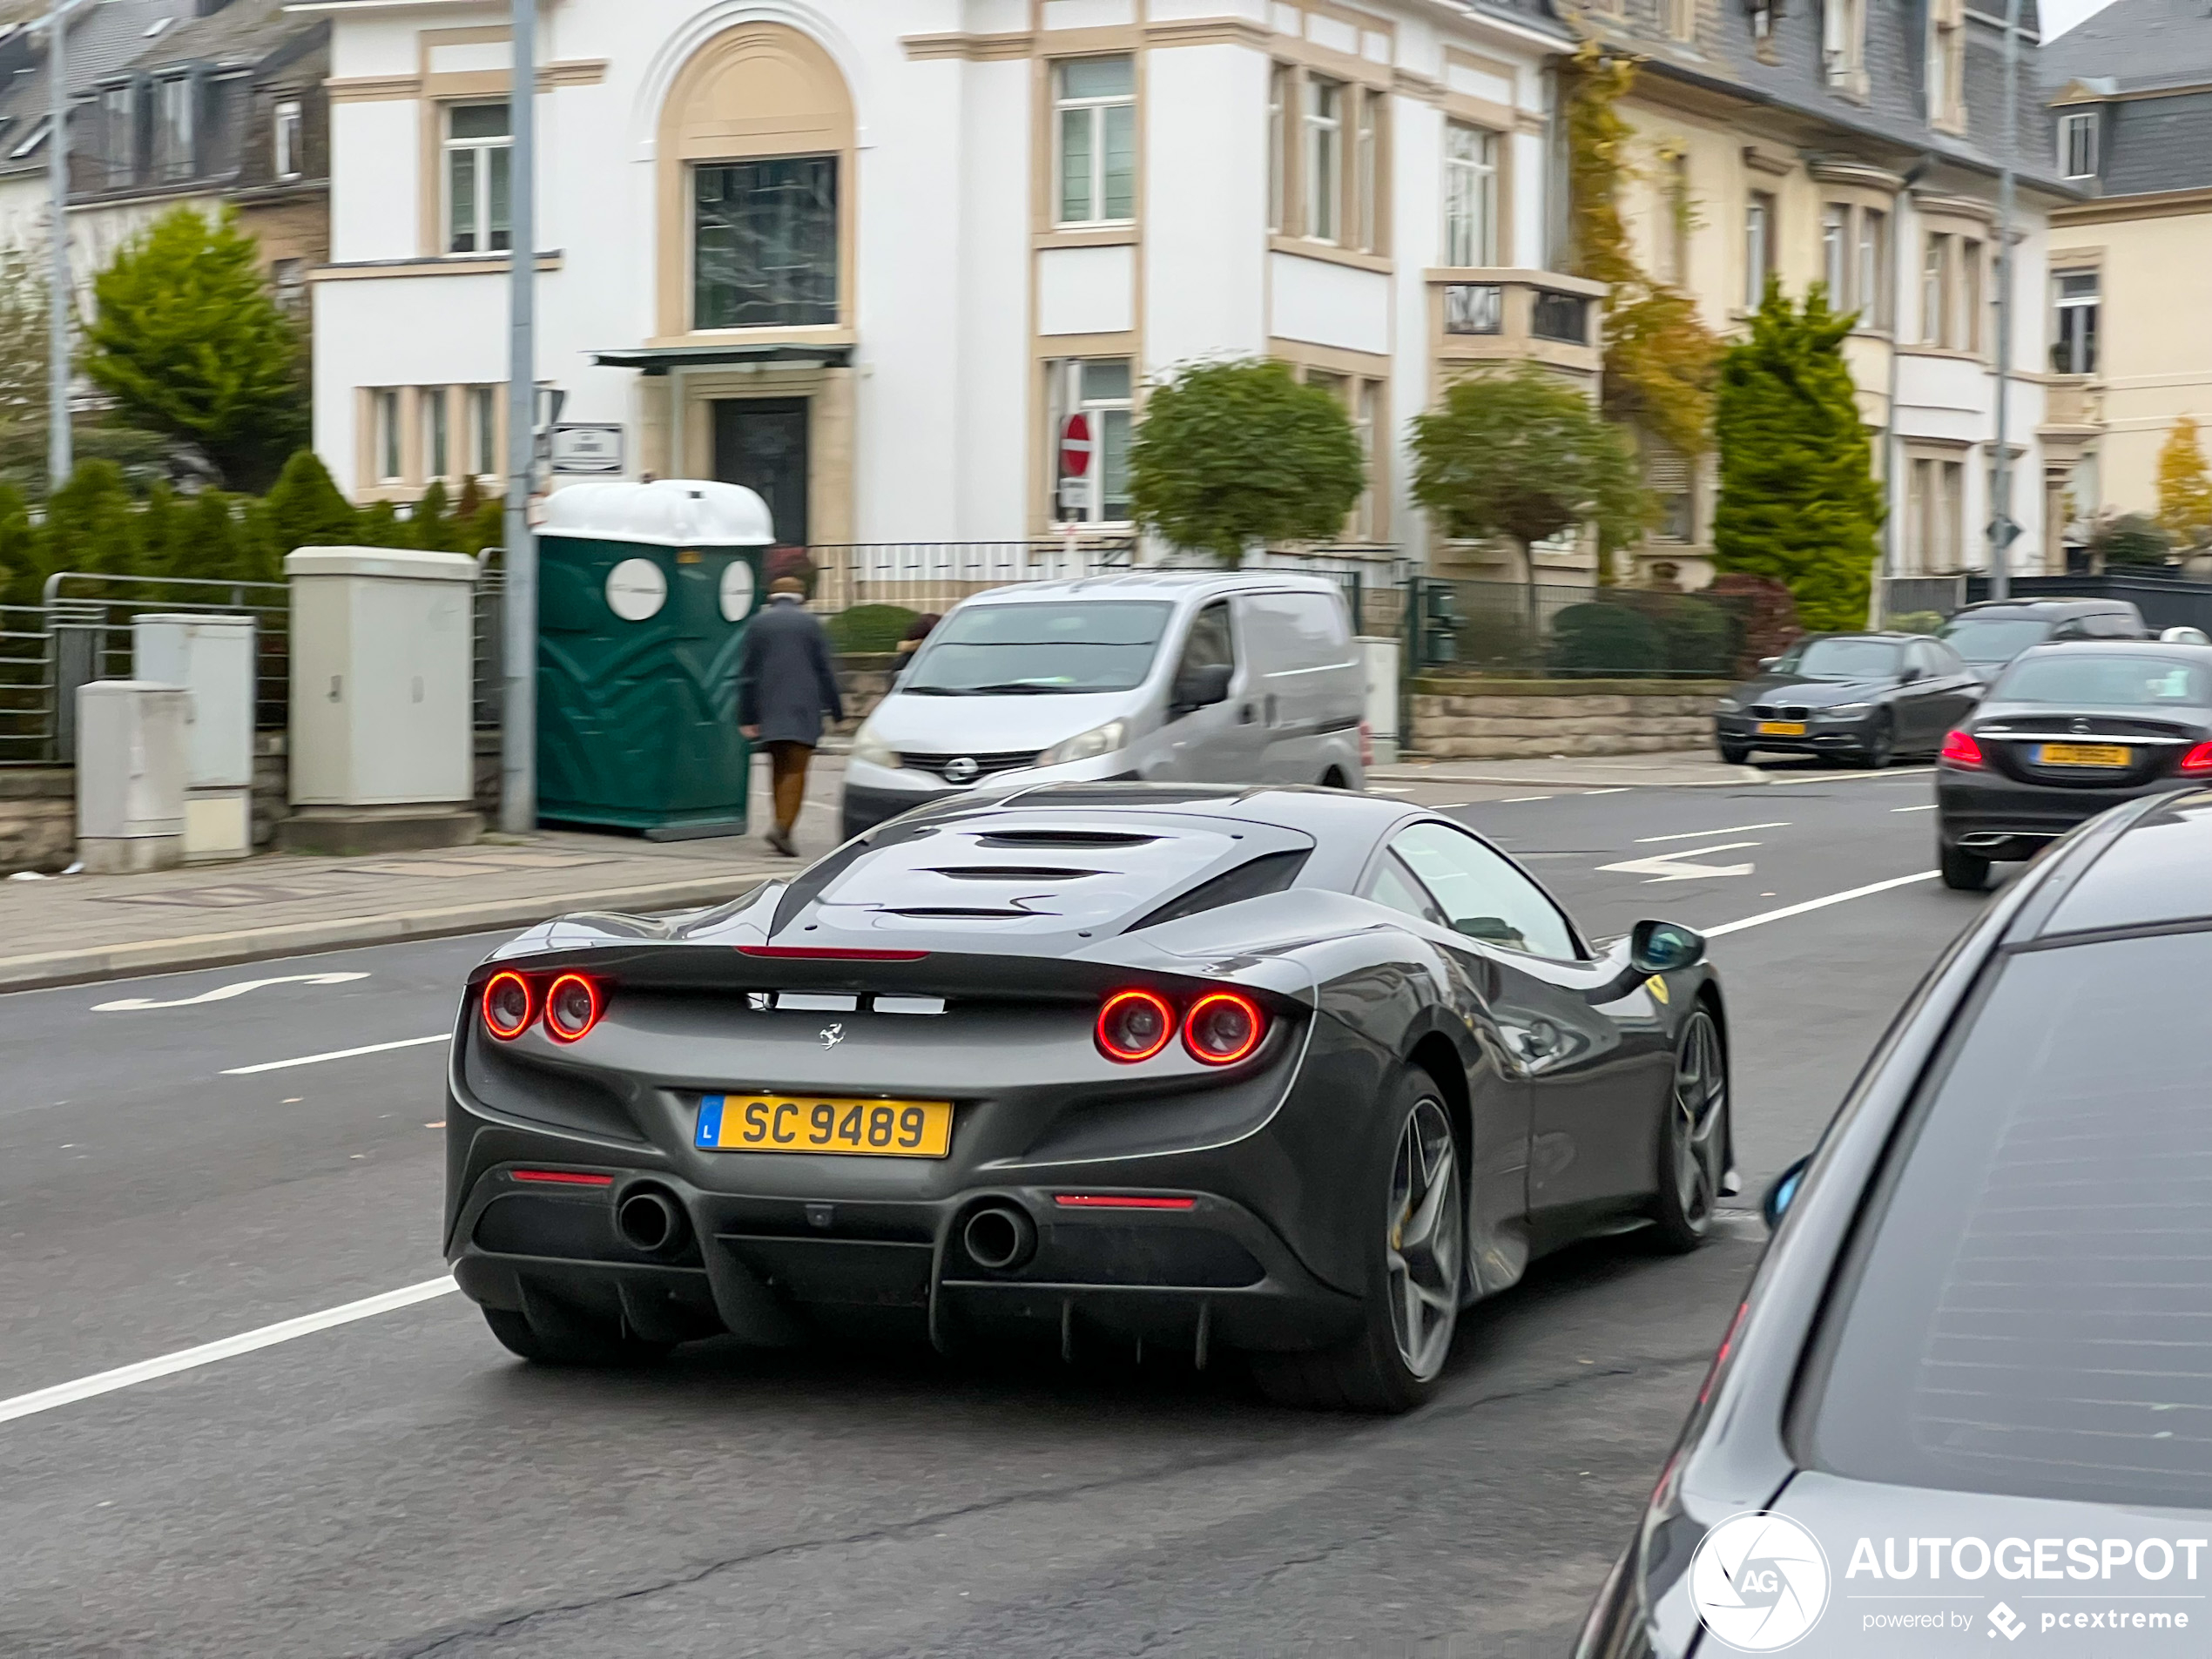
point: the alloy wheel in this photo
(1422, 1252)
(1698, 1121)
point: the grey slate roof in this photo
(243, 32)
(2145, 143)
(102, 37)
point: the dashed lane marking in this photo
(335, 1054)
(1725, 829)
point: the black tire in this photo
(1733, 754)
(1963, 871)
(1881, 744)
(553, 1335)
(1397, 1360)
(1694, 1137)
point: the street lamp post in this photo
(60, 451)
(2001, 528)
(518, 728)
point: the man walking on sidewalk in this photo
(787, 686)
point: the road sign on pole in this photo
(1075, 445)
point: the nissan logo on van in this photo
(961, 770)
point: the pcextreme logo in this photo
(1759, 1581)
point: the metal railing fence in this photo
(1549, 631)
(1914, 597)
(26, 686)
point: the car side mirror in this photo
(1908, 675)
(1664, 948)
(1768, 662)
(1200, 687)
(1784, 1190)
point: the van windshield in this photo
(1040, 649)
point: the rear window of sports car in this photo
(2028, 1309)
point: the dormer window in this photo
(2078, 144)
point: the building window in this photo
(1935, 514)
(286, 159)
(1835, 255)
(1366, 215)
(1091, 415)
(119, 138)
(438, 437)
(1946, 70)
(1368, 424)
(1094, 100)
(485, 460)
(1676, 214)
(1843, 37)
(476, 145)
(2074, 341)
(764, 244)
(1970, 284)
(1324, 155)
(385, 434)
(1279, 179)
(2078, 145)
(289, 279)
(1936, 285)
(1758, 248)
(1470, 195)
(1873, 294)
(1682, 19)
(172, 133)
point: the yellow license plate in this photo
(1782, 728)
(770, 1122)
(2084, 754)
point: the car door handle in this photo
(1245, 715)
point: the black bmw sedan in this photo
(1860, 697)
(1966, 1395)
(2066, 733)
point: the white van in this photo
(1225, 677)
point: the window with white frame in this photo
(286, 158)
(118, 138)
(1682, 19)
(1369, 425)
(385, 434)
(2074, 338)
(1874, 284)
(1758, 247)
(289, 278)
(1676, 214)
(1835, 255)
(2078, 144)
(485, 460)
(1470, 195)
(1971, 267)
(1843, 45)
(434, 408)
(477, 137)
(1095, 106)
(172, 130)
(1279, 91)
(1323, 174)
(1936, 290)
(1935, 515)
(1944, 87)
(1092, 409)
(1365, 217)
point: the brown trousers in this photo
(787, 771)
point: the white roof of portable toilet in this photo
(669, 512)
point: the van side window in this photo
(1301, 628)
(1210, 643)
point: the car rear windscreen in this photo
(1038, 647)
(2075, 677)
(2028, 1309)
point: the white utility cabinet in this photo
(381, 658)
(213, 657)
(131, 749)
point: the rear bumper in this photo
(1997, 817)
(770, 1271)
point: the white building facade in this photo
(895, 266)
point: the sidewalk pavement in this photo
(1672, 769)
(68, 929)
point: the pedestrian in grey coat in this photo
(787, 687)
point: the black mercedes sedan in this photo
(1864, 698)
(2066, 733)
(1288, 1072)
(1968, 1393)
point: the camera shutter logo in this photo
(1760, 1581)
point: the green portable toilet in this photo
(643, 594)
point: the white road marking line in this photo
(1677, 867)
(1928, 806)
(1510, 799)
(1761, 920)
(224, 992)
(106, 1382)
(1385, 789)
(335, 1054)
(1726, 829)
(1620, 789)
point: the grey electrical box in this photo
(213, 657)
(130, 776)
(383, 734)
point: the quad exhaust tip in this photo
(650, 1220)
(999, 1238)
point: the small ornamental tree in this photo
(187, 339)
(306, 509)
(1797, 501)
(2129, 538)
(1236, 454)
(92, 524)
(2184, 488)
(1524, 456)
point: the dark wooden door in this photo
(761, 444)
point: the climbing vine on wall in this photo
(1661, 361)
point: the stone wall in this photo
(37, 818)
(1476, 719)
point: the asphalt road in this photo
(398, 1485)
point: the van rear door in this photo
(1308, 681)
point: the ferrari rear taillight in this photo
(571, 1008)
(1222, 1027)
(1134, 1026)
(508, 1006)
(1959, 749)
(2197, 763)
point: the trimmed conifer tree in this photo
(305, 510)
(92, 524)
(1798, 500)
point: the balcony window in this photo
(2078, 145)
(1092, 414)
(1324, 178)
(1936, 309)
(2073, 340)
(1835, 255)
(764, 250)
(1564, 317)
(1475, 309)
(1470, 195)
(1095, 101)
(1874, 295)
(477, 142)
